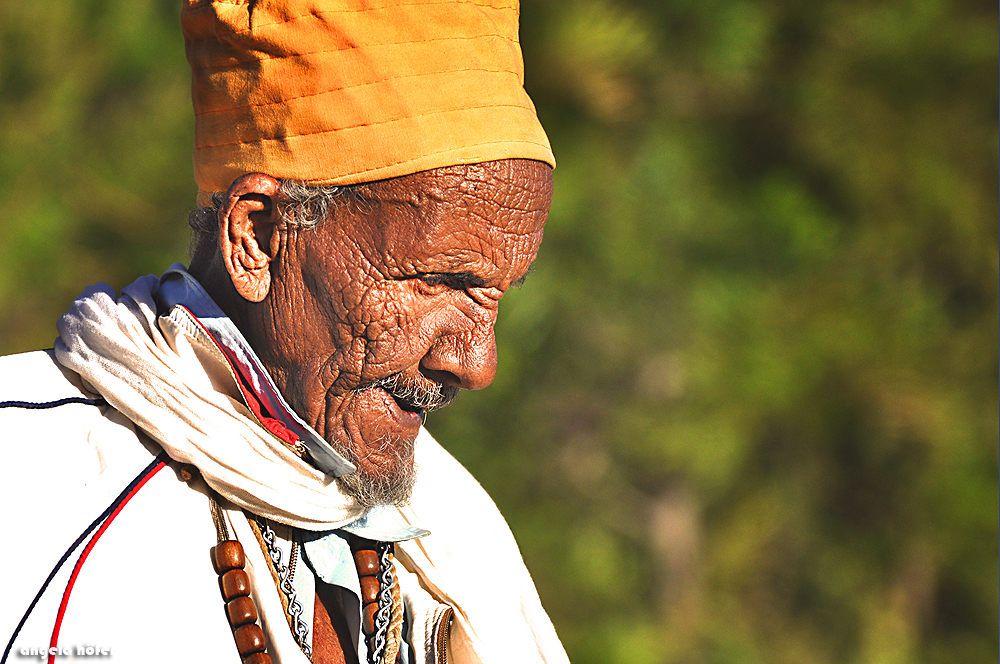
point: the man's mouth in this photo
(415, 396)
(407, 405)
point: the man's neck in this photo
(330, 631)
(210, 273)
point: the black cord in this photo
(160, 458)
(99, 401)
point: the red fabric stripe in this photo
(272, 424)
(53, 643)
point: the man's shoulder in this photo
(55, 431)
(37, 377)
(44, 406)
(471, 561)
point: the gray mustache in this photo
(428, 396)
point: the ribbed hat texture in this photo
(355, 90)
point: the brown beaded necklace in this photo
(381, 603)
(229, 562)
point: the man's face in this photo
(389, 305)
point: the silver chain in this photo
(384, 614)
(300, 629)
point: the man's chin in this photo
(368, 491)
(387, 482)
(378, 437)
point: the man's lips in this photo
(402, 411)
(406, 405)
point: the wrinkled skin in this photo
(404, 278)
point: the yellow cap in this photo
(355, 90)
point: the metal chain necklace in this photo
(381, 604)
(381, 609)
(300, 629)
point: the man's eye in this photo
(435, 279)
(459, 281)
(436, 284)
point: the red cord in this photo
(53, 643)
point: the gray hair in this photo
(301, 205)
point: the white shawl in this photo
(167, 376)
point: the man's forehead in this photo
(484, 221)
(510, 182)
(488, 202)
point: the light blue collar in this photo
(384, 524)
(329, 556)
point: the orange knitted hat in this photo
(346, 91)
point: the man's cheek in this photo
(345, 371)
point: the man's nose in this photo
(465, 359)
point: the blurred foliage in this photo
(747, 402)
(95, 153)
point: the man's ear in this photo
(247, 238)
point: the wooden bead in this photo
(249, 640)
(234, 583)
(369, 589)
(368, 612)
(228, 555)
(366, 561)
(258, 658)
(241, 611)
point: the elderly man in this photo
(227, 463)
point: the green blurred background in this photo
(747, 403)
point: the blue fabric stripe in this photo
(31, 405)
(160, 458)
